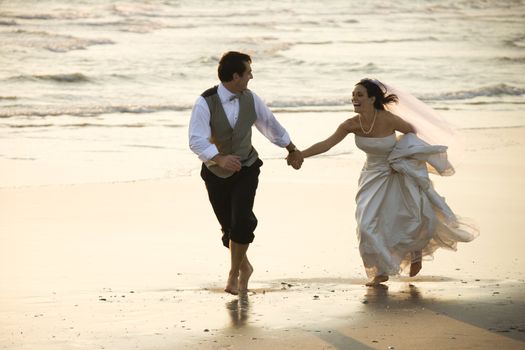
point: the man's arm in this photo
(199, 131)
(199, 139)
(270, 127)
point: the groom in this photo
(220, 133)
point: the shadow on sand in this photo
(499, 309)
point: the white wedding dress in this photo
(398, 211)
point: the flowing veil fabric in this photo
(429, 124)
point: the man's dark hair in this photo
(232, 62)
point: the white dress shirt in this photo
(200, 130)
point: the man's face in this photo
(241, 81)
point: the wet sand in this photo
(139, 265)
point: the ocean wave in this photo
(147, 146)
(141, 9)
(309, 109)
(468, 6)
(142, 27)
(272, 47)
(50, 41)
(204, 60)
(391, 40)
(55, 15)
(77, 44)
(517, 42)
(40, 16)
(131, 25)
(64, 78)
(497, 90)
(325, 42)
(512, 59)
(481, 103)
(76, 125)
(290, 106)
(23, 126)
(85, 111)
(8, 98)
(493, 127)
(327, 102)
(59, 78)
(18, 125)
(8, 22)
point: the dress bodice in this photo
(376, 145)
(377, 150)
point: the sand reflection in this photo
(379, 295)
(238, 310)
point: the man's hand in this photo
(228, 162)
(295, 159)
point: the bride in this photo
(400, 217)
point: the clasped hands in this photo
(295, 159)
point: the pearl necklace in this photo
(371, 126)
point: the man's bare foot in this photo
(415, 267)
(376, 281)
(244, 275)
(232, 284)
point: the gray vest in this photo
(236, 141)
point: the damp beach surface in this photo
(140, 265)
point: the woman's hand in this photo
(295, 159)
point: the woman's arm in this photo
(320, 147)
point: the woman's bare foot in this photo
(232, 284)
(244, 275)
(376, 281)
(415, 267)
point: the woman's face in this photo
(360, 99)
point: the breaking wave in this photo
(85, 111)
(498, 90)
(59, 78)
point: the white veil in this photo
(430, 126)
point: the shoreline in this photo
(43, 161)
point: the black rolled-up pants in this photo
(232, 200)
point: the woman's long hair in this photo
(376, 89)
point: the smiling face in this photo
(240, 82)
(361, 100)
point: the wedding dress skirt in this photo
(399, 214)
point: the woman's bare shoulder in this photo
(398, 123)
(389, 115)
(350, 124)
